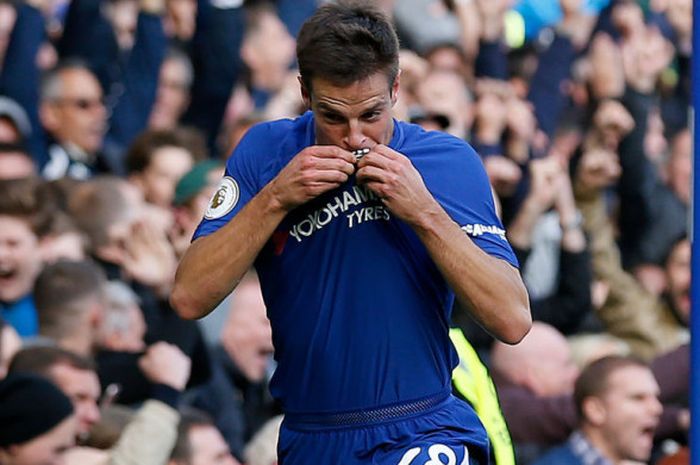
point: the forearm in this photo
(521, 228)
(490, 287)
(213, 265)
(470, 27)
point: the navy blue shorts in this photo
(441, 430)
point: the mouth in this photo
(647, 432)
(7, 272)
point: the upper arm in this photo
(468, 199)
(240, 183)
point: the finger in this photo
(378, 188)
(331, 151)
(325, 176)
(369, 174)
(387, 152)
(333, 164)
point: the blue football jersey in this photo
(359, 311)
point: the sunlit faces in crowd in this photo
(247, 336)
(47, 449)
(172, 97)
(678, 279)
(83, 389)
(620, 408)
(167, 166)
(444, 92)
(20, 258)
(72, 109)
(209, 447)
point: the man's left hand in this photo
(395, 180)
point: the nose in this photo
(354, 138)
(655, 406)
(91, 413)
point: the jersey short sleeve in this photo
(456, 177)
(240, 183)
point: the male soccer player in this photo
(359, 259)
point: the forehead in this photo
(206, 439)
(371, 90)
(13, 226)
(680, 252)
(75, 381)
(79, 80)
(631, 380)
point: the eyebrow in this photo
(322, 106)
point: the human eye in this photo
(372, 115)
(333, 118)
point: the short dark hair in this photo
(59, 292)
(345, 42)
(28, 200)
(189, 418)
(593, 380)
(39, 360)
(96, 204)
(140, 154)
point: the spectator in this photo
(125, 49)
(73, 113)
(64, 241)
(651, 326)
(267, 51)
(122, 327)
(238, 397)
(15, 162)
(199, 443)
(445, 93)
(37, 424)
(535, 380)
(669, 214)
(173, 94)
(73, 374)
(618, 406)
(125, 240)
(15, 127)
(192, 194)
(24, 220)
(155, 163)
(149, 435)
(70, 302)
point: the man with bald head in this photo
(238, 398)
(535, 382)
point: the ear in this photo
(305, 94)
(248, 55)
(136, 179)
(594, 410)
(96, 313)
(529, 377)
(48, 114)
(395, 88)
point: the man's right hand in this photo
(313, 171)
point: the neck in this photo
(598, 439)
(77, 343)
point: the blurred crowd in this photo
(116, 120)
